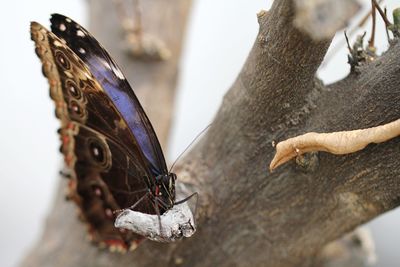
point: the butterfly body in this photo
(108, 142)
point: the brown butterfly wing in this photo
(90, 124)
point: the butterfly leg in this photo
(158, 213)
(187, 198)
(135, 204)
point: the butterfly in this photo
(109, 145)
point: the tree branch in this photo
(248, 216)
(286, 217)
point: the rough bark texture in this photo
(248, 216)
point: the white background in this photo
(219, 33)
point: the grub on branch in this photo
(337, 143)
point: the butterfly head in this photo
(166, 187)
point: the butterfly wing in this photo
(110, 77)
(109, 170)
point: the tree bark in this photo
(246, 215)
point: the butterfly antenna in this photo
(190, 144)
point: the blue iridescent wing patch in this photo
(110, 77)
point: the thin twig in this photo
(386, 28)
(351, 32)
(383, 15)
(373, 13)
(347, 41)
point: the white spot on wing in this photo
(117, 72)
(105, 63)
(62, 27)
(81, 50)
(80, 33)
(113, 68)
(68, 20)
